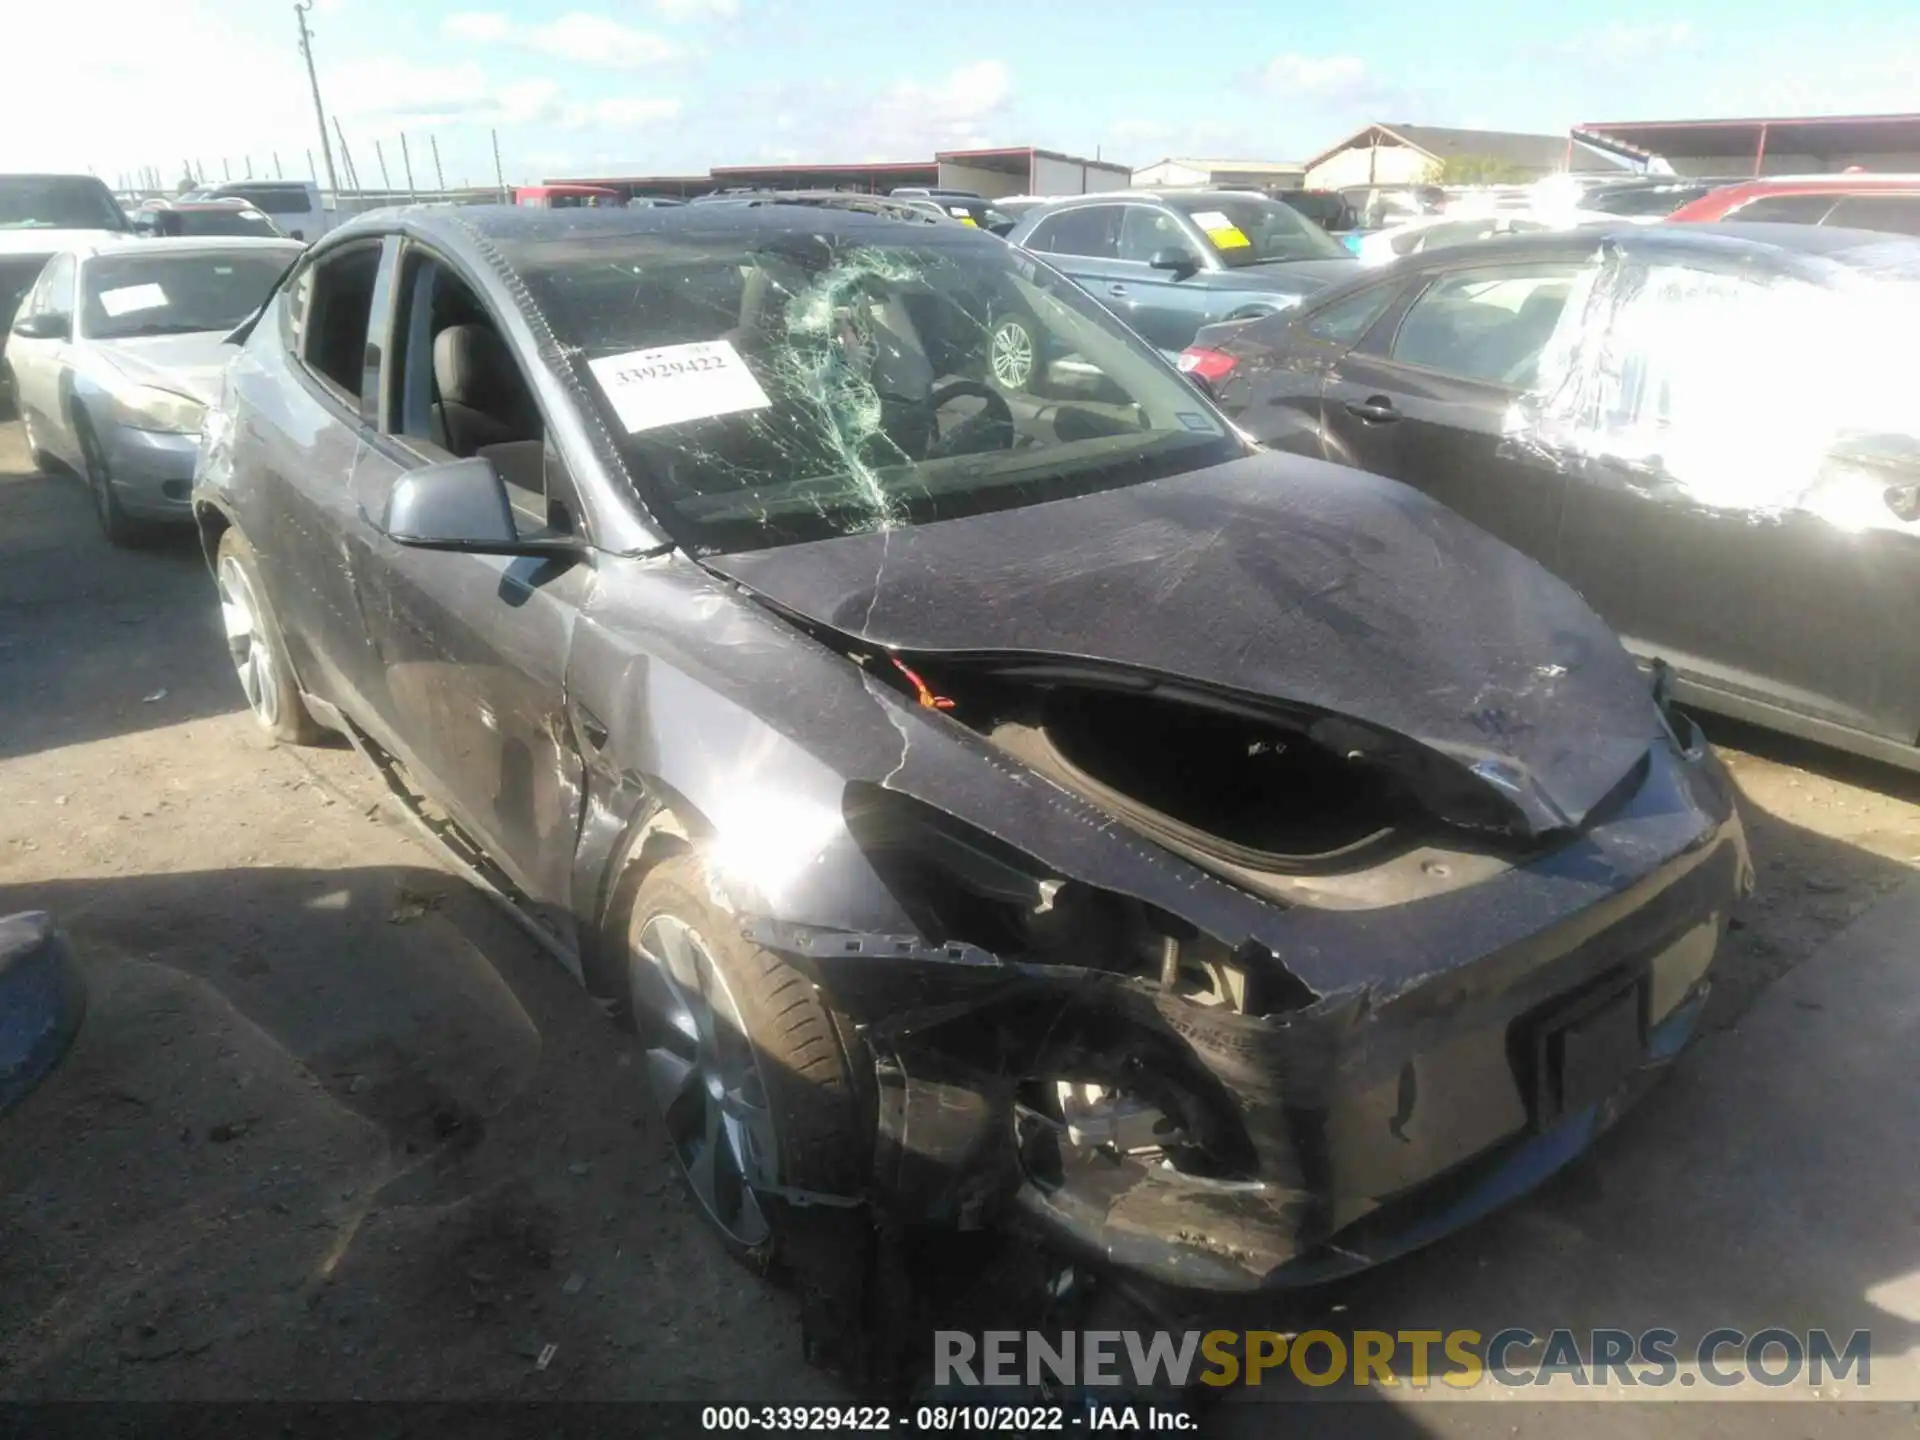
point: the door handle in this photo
(1376, 409)
(1116, 289)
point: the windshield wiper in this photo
(163, 327)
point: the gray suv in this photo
(1169, 261)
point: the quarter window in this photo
(1897, 214)
(1487, 324)
(1345, 321)
(1784, 209)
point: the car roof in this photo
(212, 202)
(1718, 238)
(529, 230)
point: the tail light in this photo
(1207, 366)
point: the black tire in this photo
(120, 528)
(258, 652)
(810, 1107)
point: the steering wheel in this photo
(993, 425)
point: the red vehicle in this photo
(567, 197)
(1858, 200)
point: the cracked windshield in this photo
(797, 383)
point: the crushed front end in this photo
(1158, 1092)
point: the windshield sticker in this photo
(129, 298)
(1195, 422)
(677, 383)
(1220, 230)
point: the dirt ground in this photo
(333, 1128)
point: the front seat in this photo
(483, 400)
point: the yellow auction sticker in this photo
(1221, 231)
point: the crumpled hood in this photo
(188, 365)
(1272, 576)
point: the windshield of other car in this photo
(1644, 199)
(133, 294)
(766, 389)
(58, 202)
(1253, 230)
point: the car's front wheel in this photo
(254, 644)
(743, 1061)
(120, 528)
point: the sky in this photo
(676, 86)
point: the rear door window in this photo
(1090, 230)
(1488, 324)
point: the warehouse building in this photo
(1380, 154)
(1021, 170)
(1804, 145)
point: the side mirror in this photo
(1182, 262)
(44, 327)
(461, 505)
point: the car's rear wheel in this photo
(743, 1062)
(1013, 354)
(119, 527)
(254, 644)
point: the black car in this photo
(1662, 416)
(982, 805)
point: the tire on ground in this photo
(292, 723)
(811, 1098)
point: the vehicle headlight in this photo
(147, 408)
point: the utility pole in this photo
(499, 175)
(311, 173)
(439, 175)
(346, 156)
(278, 173)
(300, 9)
(386, 181)
(226, 170)
(406, 162)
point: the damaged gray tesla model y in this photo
(989, 804)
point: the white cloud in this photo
(1617, 41)
(632, 110)
(480, 26)
(951, 114)
(596, 40)
(683, 10)
(1318, 75)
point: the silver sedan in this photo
(117, 351)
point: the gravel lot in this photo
(333, 1128)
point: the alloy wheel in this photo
(705, 1077)
(247, 641)
(1010, 353)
